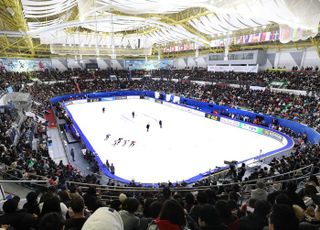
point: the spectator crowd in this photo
(281, 206)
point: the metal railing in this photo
(110, 192)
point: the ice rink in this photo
(186, 145)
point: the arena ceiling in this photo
(136, 27)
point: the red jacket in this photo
(166, 225)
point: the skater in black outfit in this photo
(148, 126)
(103, 109)
(116, 142)
(132, 114)
(107, 137)
(160, 124)
(132, 144)
(124, 142)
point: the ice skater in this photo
(103, 109)
(125, 142)
(148, 127)
(132, 144)
(116, 142)
(107, 137)
(133, 114)
(160, 124)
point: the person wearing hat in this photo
(104, 218)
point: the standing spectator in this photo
(130, 221)
(52, 204)
(107, 164)
(202, 199)
(112, 169)
(259, 193)
(76, 213)
(91, 199)
(258, 220)
(32, 205)
(72, 154)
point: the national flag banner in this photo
(276, 35)
(272, 36)
(181, 47)
(238, 40)
(285, 33)
(246, 39)
(255, 38)
(234, 40)
(268, 34)
(263, 37)
(296, 33)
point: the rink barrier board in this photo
(201, 108)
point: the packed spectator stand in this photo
(284, 200)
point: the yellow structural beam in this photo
(14, 21)
(316, 43)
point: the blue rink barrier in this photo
(210, 111)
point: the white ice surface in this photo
(186, 145)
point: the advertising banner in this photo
(107, 99)
(212, 117)
(251, 128)
(229, 122)
(120, 97)
(93, 99)
(246, 69)
(82, 101)
(133, 97)
(18, 65)
(272, 134)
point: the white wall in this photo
(202, 61)
(311, 58)
(102, 63)
(59, 64)
(308, 57)
(180, 63)
(74, 64)
(284, 58)
(191, 62)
